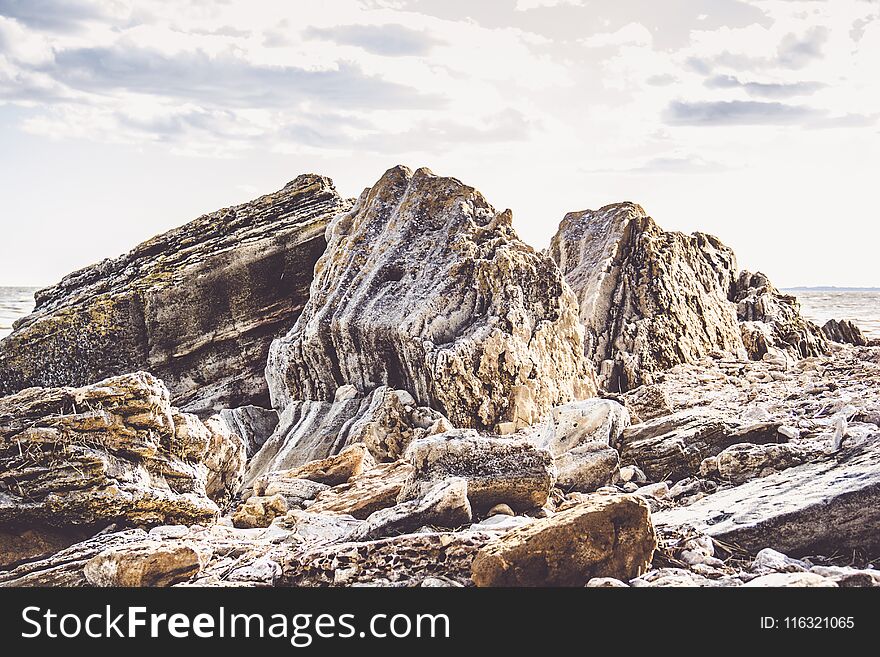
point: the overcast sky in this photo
(758, 121)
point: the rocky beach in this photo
(395, 390)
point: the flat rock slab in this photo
(815, 508)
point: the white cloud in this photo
(526, 5)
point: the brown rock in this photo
(152, 563)
(607, 536)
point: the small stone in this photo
(632, 473)
(630, 487)
(501, 509)
(769, 560)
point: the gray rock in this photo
(773, 320)
(791, 580)
(769, 560)
(587, 468)
(744, 461)
(424, 287)
(577, 423)
(252, 424)
(819, 507)
(197, 306)
(649, 299)
(497, 470)
(444, 505)
(674, 446)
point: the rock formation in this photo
(772, 320)
(649, 299)
(426, 288)
(74, 459)
(844, 331)
(197, 306)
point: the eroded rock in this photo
(424, 287)
(607, 536)
(649, 299)
(497, 470)
(197, 306)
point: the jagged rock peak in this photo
(425, 287)
(197, 306)
(772, 320)
(649, 299)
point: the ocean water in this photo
(15, 302)
(860, 306)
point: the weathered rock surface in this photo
(674, 446)
(744, 461)
(364, 494)
(252, 424)
(333, 470)
(844, 331)
(151, 563)
(497, 470)
(587, 468)
(815, 508)
(424, 287)
(197, 306)
(772, 320)
(386, 421)
(649, 299)
(399, 561)
(445, 505)
(578, 423)
(259, 511)
(607, 536)
(116, 451)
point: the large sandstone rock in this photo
(674, 446)
(116, 451)
(772, 320)
(821, 507)
(151, 563)
(252, 424)
(649, 299)
(196, 306)
(498, 470)
(424, 287)
(606, 536)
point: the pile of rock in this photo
(434, 414)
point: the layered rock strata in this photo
(425, 287)
(649, 299)
(197, 306)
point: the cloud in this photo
(661, 80)
(765, 89)
(527, 5)
(797, 52)
(53, 15)
(631, 34)
(736, 112)
(225, 80)
(388, 40)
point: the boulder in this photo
(772, 320)
(606, 536)
(649, 299)
(112, 452)
(425, 287)
(821, 507)
(674, 446)
(197, 306)
(845, 332)
(497, 470)
(150, 563)
(577, 423)
(259, 511)
(776, 580)
(445, 505)
(332, 471)
(744, 461)
(587, 468)
(366, 493)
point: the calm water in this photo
(862, 307)
(15, 302)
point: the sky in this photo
(754, 120)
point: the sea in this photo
(862, 306)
